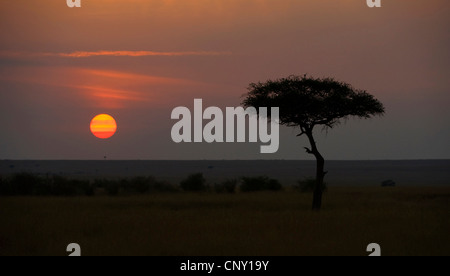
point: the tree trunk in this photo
(318, 188)
(320, 173)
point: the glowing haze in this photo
(139, 59)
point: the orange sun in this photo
(103, 126)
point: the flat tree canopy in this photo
(306, 102)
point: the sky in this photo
(137, 60)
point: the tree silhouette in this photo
(306, 102)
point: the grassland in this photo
(404, 221)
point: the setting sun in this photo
(103, 126)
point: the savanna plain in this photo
(402, 220)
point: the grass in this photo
(404, 221)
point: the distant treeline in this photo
(27, 184)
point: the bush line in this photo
(27, 184)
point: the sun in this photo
(103, 126)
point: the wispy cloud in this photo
(87, 54)
(111, 89)
(114, 94)
(137, 78)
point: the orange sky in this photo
(138, 59)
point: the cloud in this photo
(136, 78)
(87, 54)
(112, 89)
(113, 94)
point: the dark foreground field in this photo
(404, 221)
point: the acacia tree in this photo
(306, 102)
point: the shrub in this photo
(274, 185)
(229, 186)
(111, 187)
(25, 184)
(163, 187)
(262, 183)
(80, 187)
(194, 183)
(307, 185)
(5, 187)
(141, 185)
(61, 186)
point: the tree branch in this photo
(303, 129)
(308, 150)
(326, 122)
